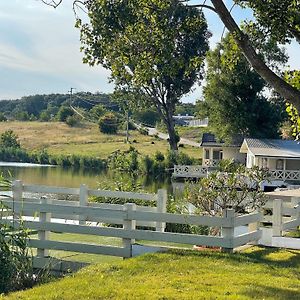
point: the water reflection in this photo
(69, 177)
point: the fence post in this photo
(228, 232)
(277, 217)
(83, 201)
(254, 227)
(295, 201)
(17, 192)
(129, 224)
(43, 235)
(161, 204)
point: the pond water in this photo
(68, 177)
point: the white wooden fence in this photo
(129, 216)
(284, 217)
(189, 171)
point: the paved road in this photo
(165, 136)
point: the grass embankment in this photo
(60, 139)
(257, 273)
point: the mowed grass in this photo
(58, 138)
(257, 273)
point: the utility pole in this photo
(127, 126)
(71, 94)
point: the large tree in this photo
(278, 17)
(153, 46)
(233, 96)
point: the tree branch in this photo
(288, 92)
(52, 3)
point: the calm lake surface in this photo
(67, 177)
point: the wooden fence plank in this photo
(123, 195)
(182, 219)
(79, 247)
(50, 189)
(67, 209)
(291, 224)
(247, 219)
(246, 238)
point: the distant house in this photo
(183, 120)
(214, 151)
(187, 120)
(281, 157)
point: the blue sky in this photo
(39, 51)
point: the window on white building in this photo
(279, 164)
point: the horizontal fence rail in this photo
(44, 215)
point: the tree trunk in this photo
(171, 130)
(288, 92)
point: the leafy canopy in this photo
(155, 47)
(233, 96)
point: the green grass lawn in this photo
(59, 138)
(256, 273)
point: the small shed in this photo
(280, 157)
(215, 150)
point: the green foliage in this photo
(9, 139)
(148, 117)
(63, 113)
(122, 183)
(22, 116)
(97, 112)
(45, 116)
(166, 58)
(2, 117)
(109, 123)
(279, 18)
(233, 98)
(15, 260)
(293, 77)
(72, 121)
(124, 161)
(186, 109)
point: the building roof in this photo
(271, 148)
(209, 140)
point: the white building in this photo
(280, 157)
(214, 151)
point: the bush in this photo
(22, 116)
(2, 117)
(9, 139)
(45, 116)
(143, 131)
(64, 112)
(124, 161)
(71, 121)
(108, 124)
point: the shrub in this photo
(237, 189)
(64, 112)
(108, 124)
(43, 157)
(71, 121)
(143, 131)
(97, 112)
(22, 116)
(9, 139)
(45, 116)
(2, 117)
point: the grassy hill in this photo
(59, 138)
(257, 273)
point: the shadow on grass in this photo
(263, 292)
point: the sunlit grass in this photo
(258, 273)
(58, 138)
